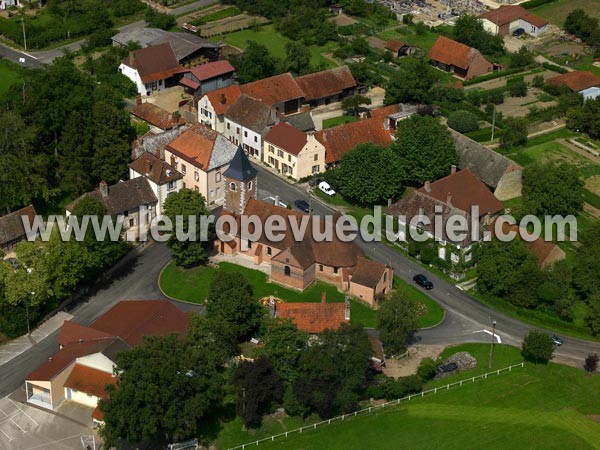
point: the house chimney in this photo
(223, 99)
(427, 186)
(452, 169)
(277, 200)
(104, 189)
(449, 198)
(148, 167)
(323, 297)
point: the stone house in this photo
(327, 86)
(459, 59)
(280, 92)
(213, 106)
(399, 49)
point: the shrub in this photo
(463, 121)
(537, 347)
(426, 369)
(518, 89)
(538, 81)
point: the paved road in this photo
(37, 59)
(465, 317)
(138, 283)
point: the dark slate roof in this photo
(124, 196)
(240, 168)
(485, 163)
(11, 225)
(302, 121)
(251, 113)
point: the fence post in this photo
(435, 391)
(343, 416)
(409, 397)
(461, 382)
(498, 372)
(422, 394)
(473, 379)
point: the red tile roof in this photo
(385, 111)
(367, 272)
(326, 83)
(195, 145)
(97, 414)
(287, 138)
(465, 191)
(212, 69)
(448, 51)
(11, 225)
(222, 99)
(394, 46)
(509, 13)
(541, 249)
(88, 380)
(313, 317)
(342, 139)
(274, 90)
(131, 320)
(155, 115)
(72, 332)
(154, 63)
(155, 169)
(578, 80)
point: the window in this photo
(454, 257)
(271, 149)
(250, 185)
(232, 187)
(335, 270)
(218, 191)
(269, 251)
(384, 276)
(237, 130)
(289, 158)
(212, 192)
(316, 156)
(218, 177)
(170, 185)
(320, 267)
(183, 169)
(196, 189)
(315, 169)
(245, 134)
(287, 271)
(196, 175)
(280, 153)
(255, 138)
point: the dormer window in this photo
(232, 187)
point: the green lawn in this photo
(557, 11)
(8, 76)
(275, 42)
(340, 120)
(191, 285)
(535, 407)
(408, 35)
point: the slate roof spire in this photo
(240, 168)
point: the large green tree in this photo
(297, 58)
(180, 207)
(592, 318)
(425, 147)
(256, 63)
(469, 30)
(397, 319)
(550, 189)
(412, 83)
(514, 133)
(165, 390)
(283, 345)
(537, 347)
(352, 104)
(586, 270)
(231, 300)
(369, 174)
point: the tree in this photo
(537, 347)
(397, 319)
(297, 57)
(590, 118)
(515, 132)
(412, 83)
(591, 363)
(592, 318)
(185, 209)
(521, 58)
(469, 30)
(283, 345)
(213, 337)
(256, 63)
(427, 369)
(165, 390)
(518, 88)
(75, 156)
(538, 81)
(333, 371)
(425, 147)
(463, 121)
(507, 270)
(160, 20)
(369, 174)
(258, 386)
(581, 25)
(352, 104)
(586, 270)
(550, 189)
(231, 300)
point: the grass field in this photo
(535, 407)
(8, 76)
(191, 285)
(340, 120)
(275, 42)
(557, 11)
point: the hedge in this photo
(535, 3)
(492, 76)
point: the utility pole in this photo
(24, 36)
(492, 343)
(493, 123)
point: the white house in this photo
(508, 18)
(213, 106)
(152, 68)
(246, 122)
(4, 4)
(161, 176)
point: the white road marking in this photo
(9, 438)
(496, 335)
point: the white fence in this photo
(370, 409)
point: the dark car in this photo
(423, 281)
(518, 32)
(557, 341)
(447, 368)
(302, 205)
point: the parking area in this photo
(23, 427)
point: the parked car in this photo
(326, 188)
(519, 32)
(447, 368)
(557, 341)
(423, 281)
(302, 205)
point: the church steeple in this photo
(240, 182)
